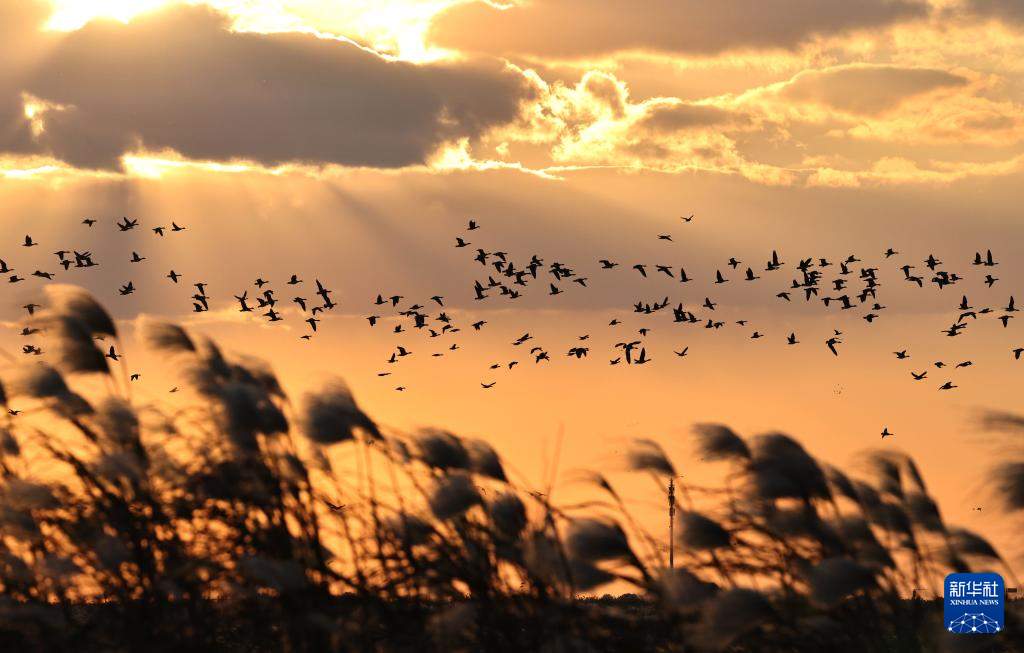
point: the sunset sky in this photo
(352, 141)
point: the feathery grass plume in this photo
(781, 468)
(20, 494)
(453, 495)
(600, 481)
(969, 543)
(400, 448)
(867, 496)
(110, 551)
(648, 456)
(924, 512)
(76, 302)
(542, 558)
(72, 406)
(893, 518)
(250, 369)
(702, 533)
(800, 520)
(248, 410)
(57, 568)
(508, 514)
(39, 381)
(680, 588)
(586, 576)
(166, 336)
(484, 460)
(8, 443)
(733, 613)
(594, 540)
(857, 534)
(230, 480)
(120, 465)
(75, 347)
(332, 415)
(841, 483)
(440, 449)
(994, 420)
(410, 530)
(915, 474)
(719, 442)
(116, 420)
(1009, 482)
(834, 579)
(19, 524)
(209, 369)
(885, 466)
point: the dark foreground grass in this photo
(235, 519)
(350, 623)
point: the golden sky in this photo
(352, 141)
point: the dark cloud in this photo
(19, 22)
(868, 90)
(579, 28)
(676, 117)
(1006, 10)
(180, 79)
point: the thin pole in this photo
(671, 523)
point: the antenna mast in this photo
(671, 523)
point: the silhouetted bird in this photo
(832, 342)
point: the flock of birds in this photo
(842, 285)
(264, 303)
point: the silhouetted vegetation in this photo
(234, 518)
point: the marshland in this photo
(225, 520)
